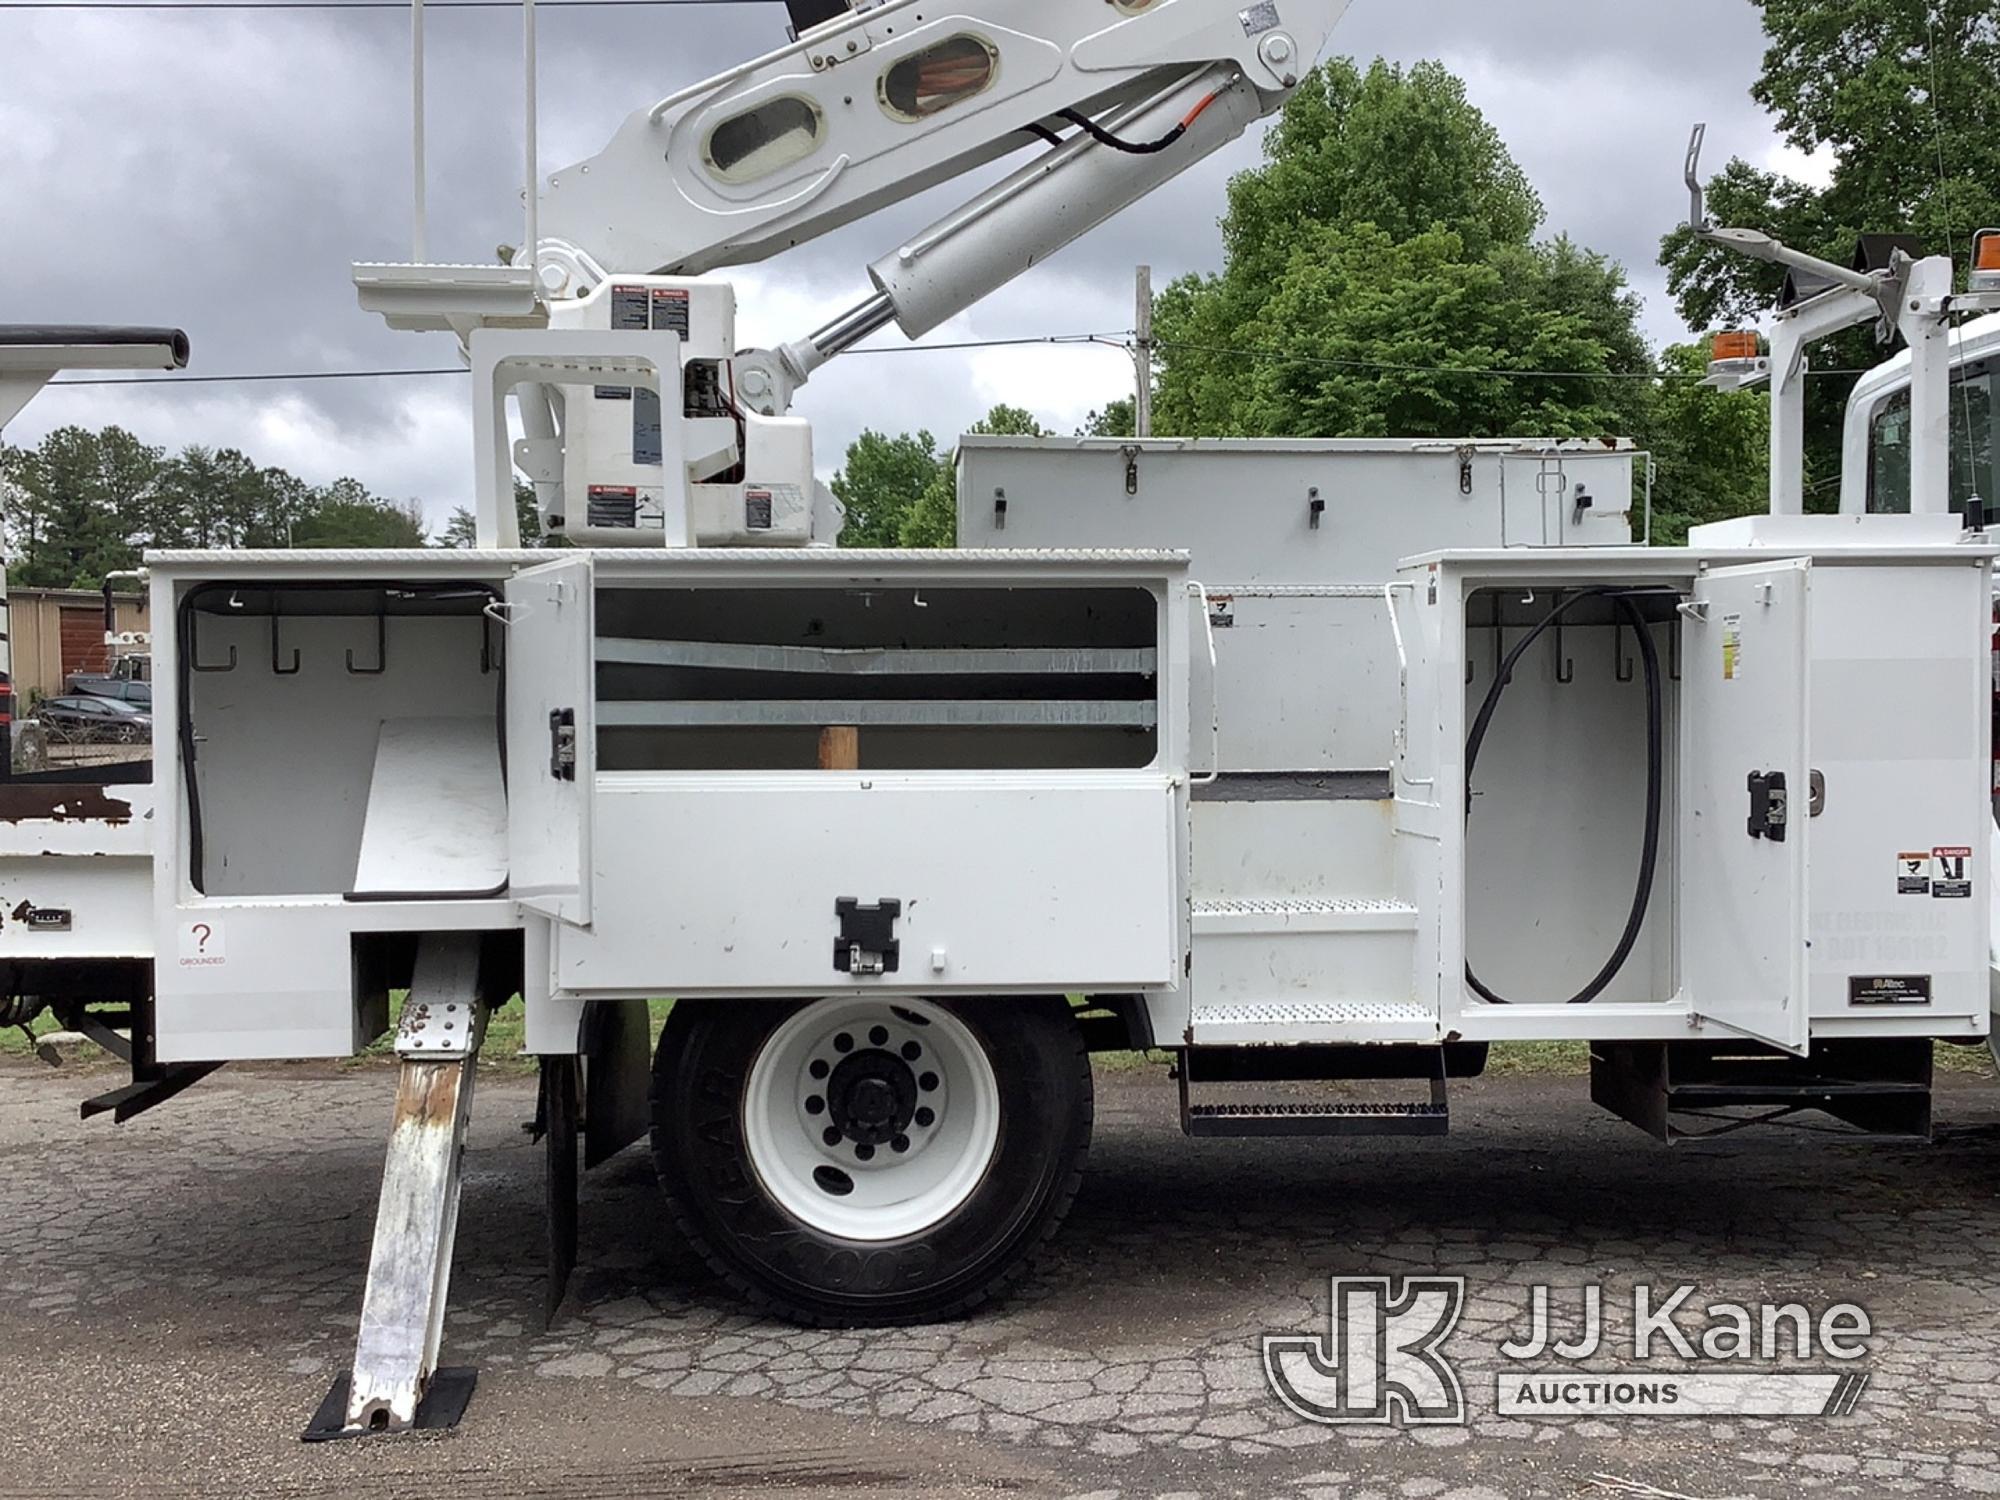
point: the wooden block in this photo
(840, 748)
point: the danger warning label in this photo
(1913, 873)
(1951, 871)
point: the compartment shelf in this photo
(879, 712)
(871, 661)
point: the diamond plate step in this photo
(1281, 1022)
(1231, 918)
(1316, 1119)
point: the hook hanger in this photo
(281, 671)
(195, 663)
(381, 648)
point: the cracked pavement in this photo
(176, 1294)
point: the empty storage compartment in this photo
(931, 678)
(342, 739)
(1557, 832)
(1540, 848)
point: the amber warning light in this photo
(1986, 261)
(1735, 346)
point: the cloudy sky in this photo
(220, 171)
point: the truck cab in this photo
(1875, 466)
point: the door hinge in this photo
(562, 744)
(1770, 805)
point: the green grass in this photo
(1572, 1059)
(13, 1044)
(1131, 1062)
(506, 1031)
(1538, 1060)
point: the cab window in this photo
(1975, 453)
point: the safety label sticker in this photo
(1732, 647)
(1913, 872)
(201, 945)
(670, 310)
(1951, 871)
(630, 308)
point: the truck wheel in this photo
(866, 1160)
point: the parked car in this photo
(138, 694)
(133, 670)
(85, 719)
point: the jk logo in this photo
(1379, 1361)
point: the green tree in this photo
(880, 482)
(78, 497)
(933, 520)
(81, 504)
(1114, 419)
(1381, 278)
(1365, 336)
(461, 528)
(1404, 150)
(1906, 96)
(347, 515)
(1712, 448)
(220, 498)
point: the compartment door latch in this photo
(1770, 805)
(562, 744)
(867, 943)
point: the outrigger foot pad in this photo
(443, 1406)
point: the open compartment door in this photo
(1745, 810)
(551, 737)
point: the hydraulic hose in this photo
(1642, 894)
(1104, 137)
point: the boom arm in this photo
(881, 103)
(878, 104)
(863, 109)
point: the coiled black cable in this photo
(1649, 854)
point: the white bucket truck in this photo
(1199, 746)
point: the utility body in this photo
(1317, 764)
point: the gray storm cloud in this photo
(220, 171)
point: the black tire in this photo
(801, 1273)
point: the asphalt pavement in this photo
(177, 1293)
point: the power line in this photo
(1121, 341)
(1110, 340)
(1379, 368)
(279, 377)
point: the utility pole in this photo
(1142, 355)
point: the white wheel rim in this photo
(910, 1101)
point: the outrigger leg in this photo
(395, 1383)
